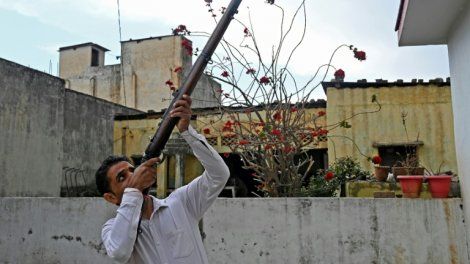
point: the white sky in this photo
(32, 32)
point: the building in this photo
(426, 106)
(132, 135)
(435, 22)
(139, 81)
(52, 139)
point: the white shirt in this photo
(171, 235)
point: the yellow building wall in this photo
(131, 137)
(429, 119)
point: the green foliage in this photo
(344, 169)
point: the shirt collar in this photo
(158, 203)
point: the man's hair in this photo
(101, 176)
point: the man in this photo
(168, 230)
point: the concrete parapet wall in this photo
(294, 230)
(328, 230)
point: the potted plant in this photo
(381, 172)
(410, 176)
(439, 183)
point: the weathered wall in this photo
(459, 61)
(429, 118)
(102, 82)
(88, 130)
(149, 63)
(284, 230)
(53, 230)
(31, 128)
(74, 61)
(50, 136)
(335, 231)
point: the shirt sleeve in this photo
(201, 193)
(119, 234)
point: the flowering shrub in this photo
(264, 108)
(328, 183)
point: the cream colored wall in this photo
(74, 62)
(147, 65)
(429, 111)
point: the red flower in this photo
(322, 132)
(247, 32)
(277, 116)
(321, 113)
(360, 55)
(250, 71)
(329, 175)
(314, 133)
(288, 149)
(293, 109)
(207, 131)
(178, 69)
(339, 74)
(227, 129)
(169, 83)
(264, 80)
(268, 147)
(276, 132)
(225, 74)
(243, 142)
(226, 154)
(376, 159)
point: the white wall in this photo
(304, 230)
(459, 60)
(341, 230)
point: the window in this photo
(394, 155)
(95, 60)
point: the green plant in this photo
(326, 183)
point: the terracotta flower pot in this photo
(381, 172)
(411, 185)
(439, 185)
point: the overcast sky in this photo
(33, 30)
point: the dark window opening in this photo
(95, 60)
(396, 155)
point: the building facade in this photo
(140, 80)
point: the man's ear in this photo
(110, 197)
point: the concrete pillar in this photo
(162, 179)
(179, 170)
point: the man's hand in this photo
(182, 109)
(145, 175)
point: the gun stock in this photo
(161, 136)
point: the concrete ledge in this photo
(336, 230)
(294, 230)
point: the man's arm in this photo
(201, 193)
(119, 234)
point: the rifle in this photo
(166, 126)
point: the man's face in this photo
(118, 175)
